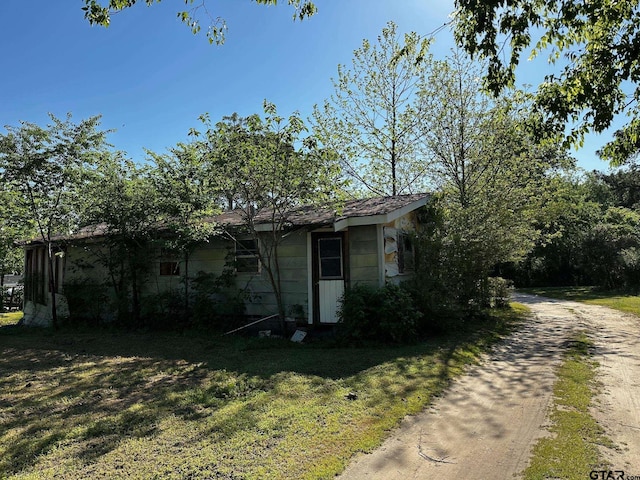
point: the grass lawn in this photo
(113, 404)
(616, 300)
(10, 318)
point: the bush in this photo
(86, 301)
(217, 303)
(498, 292)
(386, 314)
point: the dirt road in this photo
(487, 423)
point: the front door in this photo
(328, 275)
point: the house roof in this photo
(367, 211)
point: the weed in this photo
(571, 451)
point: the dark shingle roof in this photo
(315, 215)
(310, 215)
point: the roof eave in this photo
(380, 219)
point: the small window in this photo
(330, 257)
(169, 269)
(247, 260)
(58, 269)
(169, 264)
(405, 253)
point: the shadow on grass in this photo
(91, 391)
(575, 293)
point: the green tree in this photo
(589, 235)
(47, 166)
(99, 12)
(491, 175)
(594, 46)
(564, 221)
(15, 224)
(268, 169)
(187, 193)
(123, 201)
(620, 188)
(372, 120)
(611, 249)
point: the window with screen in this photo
(330, 257)
(247, 260)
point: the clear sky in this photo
(150, 78)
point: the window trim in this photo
(169, 265)
(341, 258)
(247, 255)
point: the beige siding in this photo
(363, 255)
(293, 273)
(84, 267)
(407, 223)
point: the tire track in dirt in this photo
(617, 408)
(486, 424)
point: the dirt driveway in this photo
(487, 423)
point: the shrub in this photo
(217, 303)
(86, 300)
(498, 292)
(386, 314)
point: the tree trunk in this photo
(187, 311)
(1, 290)
(135, 294)
(269, 263)
(278, 291)
(52, 288)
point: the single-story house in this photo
(321, 253)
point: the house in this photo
(321, 253)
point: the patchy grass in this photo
(10, 318)
(571, 451)
(616, 300)
(113, 405)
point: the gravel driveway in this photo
(488, 421)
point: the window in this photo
(405, 253)
(170, 268)
(169, 265)
(398, 252)
(58, 268)
(247, 260)
(35, 279)
(330, 257)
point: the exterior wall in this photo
(363, 255)
(209, 258)
(372, 260)
(39, 315)
(83, 268)
(392, 233)
(37, 296)
(86, 276)
(294, 274)
(83, 265)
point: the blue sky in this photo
(150, 78)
